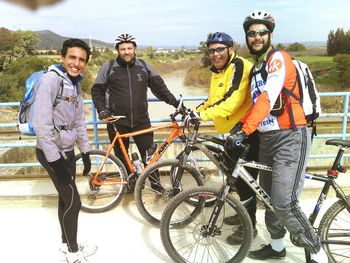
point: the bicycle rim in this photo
(334, 232)
(154, 188)
(100, 198)
(191, 241)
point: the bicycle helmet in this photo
(259, 17)
(125, 38)
(220, 37)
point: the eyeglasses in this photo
(261, 32)
(211, 51)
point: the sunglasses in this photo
(211, 51)
(261, 32)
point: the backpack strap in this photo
(60, 90)
(59, 93)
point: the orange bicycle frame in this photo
(175, 133)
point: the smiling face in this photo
(218, 54)
(126, 51)
(258, 43)
(74, 61)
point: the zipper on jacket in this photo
(130, 89)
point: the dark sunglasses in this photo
(261, 32)
(211, 51)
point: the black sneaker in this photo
(266, 252)
(232, 220)
(157, 187)
(237, 237)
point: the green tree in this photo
(7, 42)
(12, 80)
(280, 46)
(15, 45)
(343, 68)
(296, 47)
(27, 43)
(203, 49)
(150, 52)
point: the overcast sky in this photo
(178, 22)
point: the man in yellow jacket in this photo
(229, 100)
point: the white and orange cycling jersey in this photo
(281, 73)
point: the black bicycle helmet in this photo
(259, 17)
(220, 37)
(125, 38)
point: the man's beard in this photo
(261, 51)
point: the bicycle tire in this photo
(335, 227)
(188, 242)
(106, 196)
(206, 175)
(151, 203)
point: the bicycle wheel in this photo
(193, 240)
(207, 169)
(101, 198)
(334, 231)
(154, 188)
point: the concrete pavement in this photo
(30, 231)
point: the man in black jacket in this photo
(121, 89)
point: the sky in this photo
(178, 22)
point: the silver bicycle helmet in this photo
(125, 38)
(259, 17)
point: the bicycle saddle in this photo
(337, 142)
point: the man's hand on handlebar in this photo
(235, 140)
(191, 116)
(104, 115)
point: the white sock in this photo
(320, 256)
(277, 244)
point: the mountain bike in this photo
(108, 181)
(197, 233)
(174, 173)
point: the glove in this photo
(61, 170)
(238, 126)
(176, 104)
(234, 141)
(104, 114)
(86, 162)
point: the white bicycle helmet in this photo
(125, 38)
(259, 17)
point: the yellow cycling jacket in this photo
(229, 97)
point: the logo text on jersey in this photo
(275, 66)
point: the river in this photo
(174, 82)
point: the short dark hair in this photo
(75, 42)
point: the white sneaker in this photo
(76, 257)
(319, 257)
(86, 249)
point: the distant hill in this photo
(51, 40)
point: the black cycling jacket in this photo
(124, 90)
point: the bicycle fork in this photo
(211, 229)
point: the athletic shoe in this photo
(319, 257)
(87, 250)
(76, 257)
(232, 220)
(157, 187)
(266, 252)
(237, 237)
